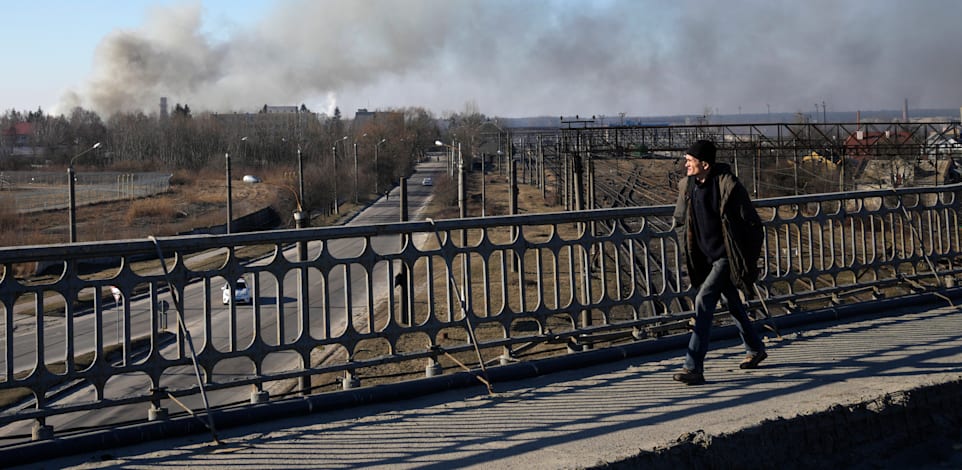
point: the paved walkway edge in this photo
(68, 445)
(839, 437)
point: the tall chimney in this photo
(905, 110)
(163, 108)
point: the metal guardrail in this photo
(341, 291)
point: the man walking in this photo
(721, 236)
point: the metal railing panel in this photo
(106, 310)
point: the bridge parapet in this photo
(417, 292)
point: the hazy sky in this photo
(508, 58)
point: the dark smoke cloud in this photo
(541, 57)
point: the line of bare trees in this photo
(262, 141)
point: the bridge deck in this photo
(615, 411)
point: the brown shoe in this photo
(752, 360)
(688, 377)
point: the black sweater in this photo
(707, 217)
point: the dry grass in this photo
(9, 219)
(21, 229)
(9, 223)
(150, 208)
(195, 199)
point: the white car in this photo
(427, 182)
(242, 294)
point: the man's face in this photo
(695, 167)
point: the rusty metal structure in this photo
(772, 159)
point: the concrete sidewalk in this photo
(603, 414)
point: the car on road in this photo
(242, 294)
(427, 182)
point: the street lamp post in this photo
(230, 199)
(300, 175)
(334, 173)
(355, 171)
(457, 162)
(483, 198)
(451, 161)
(230, 202)
(449, 156)
(334, 170)
(461, 185)
(300, 219)
(376, 174)
(462, 206)
(72, 213)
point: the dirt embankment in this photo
(193, 201)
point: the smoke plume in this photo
(539, 57)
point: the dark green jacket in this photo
(742, 228)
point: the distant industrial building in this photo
(364, 119)
(285, 120)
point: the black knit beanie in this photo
(703, 150)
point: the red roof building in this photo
(18, 135)
(866, 144)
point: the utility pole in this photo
(230, 205)
(401, 279)
(355, 172)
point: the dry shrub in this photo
(150, 208)
(202, 186)
(181, 178)
(184, 177)
(208, 197)
(134, 166)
